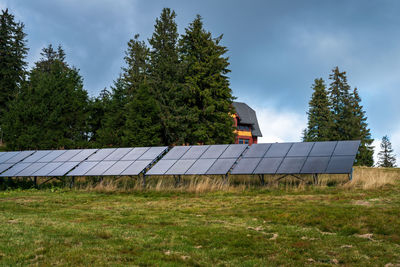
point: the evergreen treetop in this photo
(386, 156)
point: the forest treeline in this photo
(172, 89)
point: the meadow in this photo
(205, 221)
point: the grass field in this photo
(290, 226)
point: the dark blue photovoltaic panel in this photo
(346, 148)
(214, 151)
(7, 155)
(315, 165)
(84, 154)
(268, 166)
(195, 152)
(256, 151)
(135, 153)
(63, 169)
(323, 149)
(5, 166)
(82, 168)
(300, 149)
(100, 168)
(51, 156)
(153, 153)
(101, 154)
(278, 150)
(246, 166)
(67, 155)
(37, 155)
(48, 168)
(20, 156)
(180, 167)
(31, 169)
(340, 164)
(118, 153)
(176, 152)
(161, 167)
(118, 167)
(221, 166)
(291, 165)
(15, 169)
(137, 167)
(233, 151)
(201, 166)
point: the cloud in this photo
(280, 125)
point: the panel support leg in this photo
(351, 174)
(72, 182)
(315, 178)
(225, 178)
(177, 179)
(262, 181)
(35, 182)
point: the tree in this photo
(98, 107)
(13, 53)
(166, 78)
(206, 87)
(360, 131)
(50, 111)
(319, 114)
(386, 157)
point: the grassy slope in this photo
(312, 226)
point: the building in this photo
(246, 124)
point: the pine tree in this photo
(50, 111)
(98, 107)
(166, 78)
(360, 131)
(386, 157)
(13, 53)
(319, 114)
(207, 93)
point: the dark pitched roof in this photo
(247, 115)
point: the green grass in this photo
(314, 226)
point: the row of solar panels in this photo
(276, 158)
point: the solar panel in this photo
(291, 165)
(180, 167)
(153, 153)
(233, 151)
(340, 164)
(20, 156)
(37, 155)
(201, 166)
(195, 152)
(278, 150)
(346, 148)
(161, 167)
(176, 152)
(5, 166)
(84, 154)
(7, 155)
(323, 148)
(48, 168)
(118, 167)
(82, 168)
(137, 167)
(51, 156)
(135, 153)
(67, 155)
(300, 149)
(118, 153)
(268, 166)
(214, 151)
(15, 169)
(100, 167)
(31, 169)
(221, 166)
(101, 154)
(246, 166)
(256, 151)
(315, 165)
(63, 169)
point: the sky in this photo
(276, 49)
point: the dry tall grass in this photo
(370, 178)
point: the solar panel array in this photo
(335, 157)
(275, 158)
(200, 160)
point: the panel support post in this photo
(315, 178)
(351, 174)
(35, 182)
(144, 180)
(177, 179)
(72, 182)
(225, 178)
(262, 181)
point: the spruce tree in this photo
(13, 53)
(319, 114)
(386, 157)
(50, 111)
(98, 106)
(166, 78)
(206, 86)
